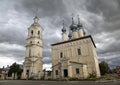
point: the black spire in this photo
(79, 24)
(63, 29)
(73, 26)
(72, 20)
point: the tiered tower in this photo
(33, 59)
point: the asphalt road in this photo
(30, 82)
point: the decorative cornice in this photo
(32, 45)
(89, 36)
(34, 37)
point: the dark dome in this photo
(73, 27)
(63, 30)
(70, 35)
(79, 25)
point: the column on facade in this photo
(70, 71)
(74, 34)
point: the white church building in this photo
(75, 56)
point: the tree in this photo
(15, 68)
(104, 68)
(118, 70)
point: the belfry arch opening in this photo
(38, 32)
(31, 32)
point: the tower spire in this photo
(63, 29)
(79, 24)
(63, 24)
(64, 35)
(72, 19)
(36, 19)
(78, 19)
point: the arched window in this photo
(30, 42)
(38, 32)
(31, 32)
(79, 51)
(61, 54)
(56, 72)
(38, 42)
(29, 52)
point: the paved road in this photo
(29, 82)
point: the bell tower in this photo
(33, 59)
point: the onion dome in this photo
(73, 26)
(63, 29)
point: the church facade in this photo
(32, 66)
(76, 55)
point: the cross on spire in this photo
(63, 29)
(63, 24)
(36, 12)
(78, 19)
(72, 19)
(79, 24)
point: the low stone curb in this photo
(106, 81)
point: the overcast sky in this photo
(100, 18)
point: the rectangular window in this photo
(77, 71)
(48, 73)
(56, 72)
(27, 72)
(61, 55)
(79, 51)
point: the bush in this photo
(106, 77)
(73, 79)
(31, 78)
(93, 75)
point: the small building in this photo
(76, 55)
(2, 76)
(4, 72)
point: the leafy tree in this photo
(118, 70)
(15, 68)
(104, 68)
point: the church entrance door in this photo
(27, 73)
(65, 73)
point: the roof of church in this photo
(89, 36)
(36, 23)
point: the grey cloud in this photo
(45, 8)
(47, 60)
